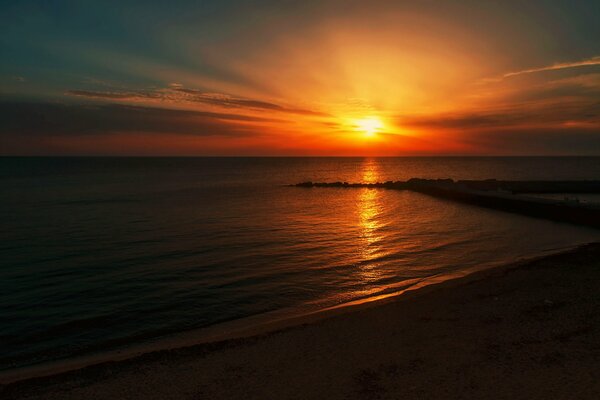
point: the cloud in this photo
(555, 101)
(110, 95)
(583, 63)
(550, 117)
(461, 121)
(176, 93)
(558, 140)
(20, 118)
(225, 100)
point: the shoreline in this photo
(255, 325)
(249, 329)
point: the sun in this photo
(368, 125)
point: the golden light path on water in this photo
(369, 213)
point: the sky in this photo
(294, 78)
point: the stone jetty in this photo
(511, 196)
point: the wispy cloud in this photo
(575, 64)
(111, 95)
(558, 140)
(579, 112)
(35, 119)
(176, 93)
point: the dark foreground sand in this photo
(529, 331)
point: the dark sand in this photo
(524, 331)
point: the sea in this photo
(98, 254)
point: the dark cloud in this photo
(177, 93)
(225, 100)
(109, 95)
(460, 121)
(229, 101)
(567, 127)
(580, 90)
(561, 140)
(513, 116)
(564, 100)
(20, 118)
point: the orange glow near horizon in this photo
(372, 81)
(340, 98)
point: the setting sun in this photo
(369, 126)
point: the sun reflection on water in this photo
(370, 171)
(369, 208)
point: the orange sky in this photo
(384, 79)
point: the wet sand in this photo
(523, 331)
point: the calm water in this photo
(98, 253)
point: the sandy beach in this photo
(522, 331)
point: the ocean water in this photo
(99, 253)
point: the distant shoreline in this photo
(236, 333)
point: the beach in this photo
(300, 200)
(525, 330)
